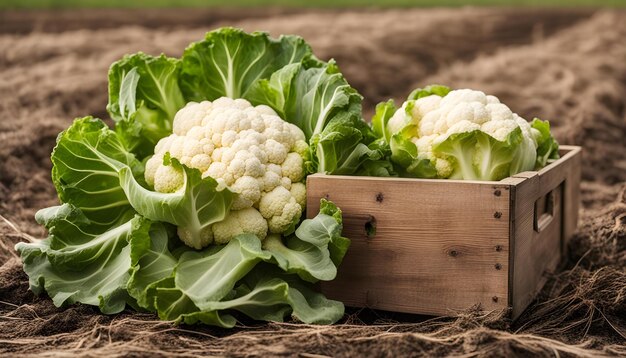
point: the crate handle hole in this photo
(544, 212)
(370, 227)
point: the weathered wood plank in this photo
(439, 246)
(571, 193)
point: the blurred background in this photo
(564, 61)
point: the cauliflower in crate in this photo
(461, 134)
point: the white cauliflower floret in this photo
(259, 153)
(249, 190)
(499, 129)
(301, 147)
(524, 126)
(216, 156)
(474, 112)
(216, 170)
(234, 120)
(154, 163)
(207, 146)
(298, 191)
(463, 95)
(168, 179)
(499, 112)
(241, 103)
(285, 183)
(200, 162)
(256, 123)
(176, 148)
(272, 122)
(296, 132)
(164, 144)
(190, 116)
(228, 138)
(191, 147)
(263, 109)
(425, 105)
(427, 124)
(247, 221)
(196, 132)
(444, 168)
(424, 146)
(275, 168)
(280, 208)
(463, 126)
(272, 203)
(205, 237)
(227, 155)
(276, 152)
(270, 180)
(292, 167)
(292, 211)
(217, 139)
(224, 102)
(249, 150)
(237, 167)
(492, 99)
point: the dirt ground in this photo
(568, 66)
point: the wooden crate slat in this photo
(534, 254)
(571, 193)
(457, 259)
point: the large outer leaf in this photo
(87, 257)
(309, 97)
(203, 289)
(143, 98)
(203, 282)
(309, 261)
(315, 250)
(93, 272)
(193, 208)
(266, 293)
(210, 275)
(320, 102)
(86, 161)
(305, 304)
(173, 305)
(384, 112)
(310, 306)
(153, 265)
(73, 242)
(341, 149)
(228, 61)
(338, 244)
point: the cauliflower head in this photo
(464, 134)
(248, 149)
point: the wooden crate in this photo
(440, 246)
